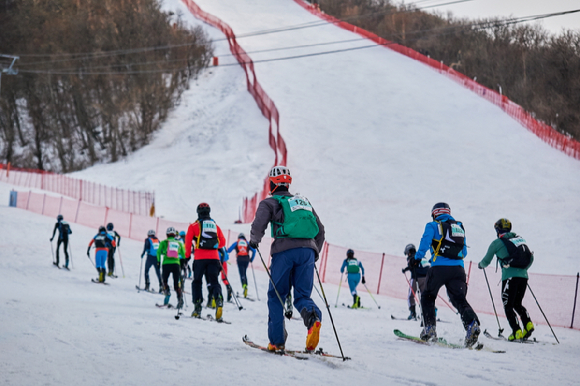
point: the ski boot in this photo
(102, 275)
(230, 294)
(413, 314)
(167, 296)
(160, 288)
(66, 264)
(219, 305)
(472, 333)
(245, 290)
(275, 347)
(146, 286)
(197, 310)
(313, 324)
(516, 335)
(528, 330)
(429, 333)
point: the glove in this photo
(316, 257)
(141, 256)
(363, 280)
(479, 266)
(253, 244)
(51, 239)
(415, 263)
(404, 270)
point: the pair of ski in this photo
(501, 337)
(246, 298)
(211, 318)
(99, 282)
(152, 291)
(443, 343)
(415, 320)
(57, 266)
(301, 355)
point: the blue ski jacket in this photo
(432, 232)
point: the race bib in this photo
(299, 203)
(173, 249)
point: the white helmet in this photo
(171, 231)
(151, 232)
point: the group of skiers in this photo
(298, 236)
(444, 237)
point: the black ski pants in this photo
(65, 247)
(172, 269)
(454, 280)
(111, 260)
(211, 269)
(152, 262)
(243, 268)
(512, 294)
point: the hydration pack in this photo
(208, 236)
(520, 255)
(153, 246)
(242, 247)
(299, 220)
(452, 240)
(352, 266)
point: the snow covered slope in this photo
(59, 329)
(374, 139)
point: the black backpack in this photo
(520, 255)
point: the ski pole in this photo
(338, 293)
(52, 250)
(500, 330)
(140, 270)
(70, 251)
(229, 287)
(256, 284)
(330, 314)
(532, 292)
(91, 260)
(121, 260)
(369, 291)
(271, 280)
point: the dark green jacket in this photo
(498, 249)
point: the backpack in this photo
(452, 240)
(65, 229)
(299, 219)
(208, 236)
(520, 255)
(352, 266)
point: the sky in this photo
(514, 8)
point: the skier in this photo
(243, 259)
(111, 258)
(206, 237)
(514, 276)
(418, 277)
(445, 238)
(186, 268)
(354, 268)
(103, 243)
(169, 253)
(63, 232)
(150, 248)
(293, 256)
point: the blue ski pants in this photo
(291, 267)
(101, 258)
(353, 280)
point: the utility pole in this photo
(10, 70)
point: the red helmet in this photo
(280, 175)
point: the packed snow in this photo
(374, 140)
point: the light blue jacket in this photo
(432, 232)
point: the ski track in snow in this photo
(367, 135)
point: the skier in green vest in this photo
(354, 269)
(171, 252)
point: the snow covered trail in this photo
(373, 137)
(58, 328)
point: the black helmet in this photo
(440, 208)
(350, 253)
(102, 229)
(410, 248)
(203, 209)
(110, 226)
(503, 225)
(59, 217)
